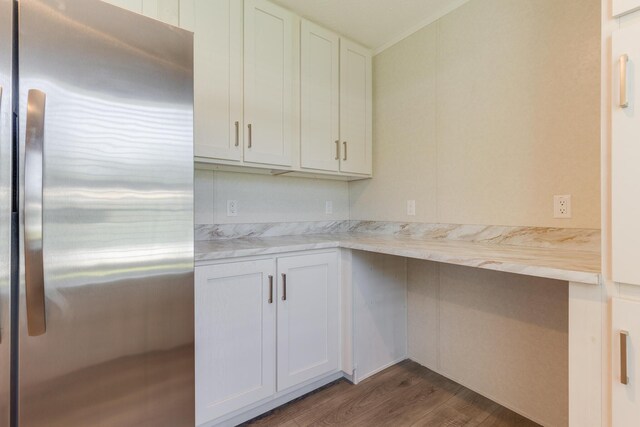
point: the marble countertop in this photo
(553, 263)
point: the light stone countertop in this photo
(553, 263)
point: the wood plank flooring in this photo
(406, 394)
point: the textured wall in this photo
(484, 115)
(503, 335)
(266, 198)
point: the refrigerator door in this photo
(106, 303)
(6, 7)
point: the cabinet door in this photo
(163, 10)
(308, 317)
(235, 337)
(625, 153)
(620, 7)
(167, 11)
(626, 397)
(355, 108)
(320, 93)
(217, 28)
(132, 5)
(268, 62)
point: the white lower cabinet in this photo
(626, 352)
(308, 318)
(235, 337)
(239, 307)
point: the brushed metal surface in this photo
(624, 354)
(624, 101)
(32, 213)
(6, 29)
(284, 287)
(117, 218)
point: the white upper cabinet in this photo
(308, 318)
(167, 11)
(620, 7)
(218, 123)
(268, 83)
(320, 94)
(355, 108)
(335, 104)
(625, 155)
(131, 5)
(235, 336)
(247, 72)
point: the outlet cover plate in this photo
(562, 206)
(232, 208)
(411, 207)
(328, 207)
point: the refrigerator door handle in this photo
(33, 176)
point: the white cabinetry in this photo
(235, 333)
(218, 122)
(625, 155)
(308, 318)
(320, 94)
(239, 306)
(626, 375)
(620, 7)
(355, 108)
(131, 5)
(335, 111)
(268, 83)
(167, 11)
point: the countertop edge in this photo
(592, 278)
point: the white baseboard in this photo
(359, 378)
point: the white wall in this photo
(484, 115)
(266, 198)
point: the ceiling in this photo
(377, 24)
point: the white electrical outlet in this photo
(562, 206)
(411, 207)
(232, 208)
(328, 207)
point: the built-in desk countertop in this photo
(565, 264)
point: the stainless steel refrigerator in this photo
(96, 170)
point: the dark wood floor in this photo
(406, 394)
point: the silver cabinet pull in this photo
(284, 287)
(33, 177)
(624, 373)
(250, 136)
(345, 150)
(624, 101)
(337, 150)
(237, 134)
(270, 289)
